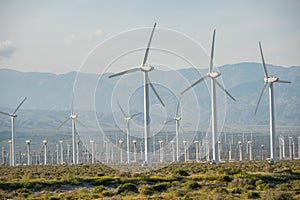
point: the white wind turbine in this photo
(270, 81)
(177, 119)
(145, 69)
(73, 118)
(12, 117)
(213, 75)
(127, 120)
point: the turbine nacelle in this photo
(147, 68)
(213, 74)
(177, 118)
(128, 118)
(73, 116)
(13, 115)
(271, 79)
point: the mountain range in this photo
(49, 95)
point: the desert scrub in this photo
(194, 185)
(181, 172)
(221, 190)
(104, 180)
(127, 188)
(253, 195)
(286, 187)
(147, 190)
(99, 189)
(160, 187)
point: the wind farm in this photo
(110, 104)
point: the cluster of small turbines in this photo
(145, 69)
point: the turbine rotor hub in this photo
(14, 115)
(271, 79)
(147, 68)
(213, 74)
(73, 116)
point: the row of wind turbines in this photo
(212, 75)
(145, 69)
(231, 146)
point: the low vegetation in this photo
(231, 180)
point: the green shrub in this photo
(285, 187)
(181, 172)
(127, 188)
(225, 178)
(249, 187)
(98, 189)
(104, 180)
(23, 192)
(108, 193)
(278, 196)
(160, 187)
(193, 185)
(253, 195)
(147, 190)
(221, 190)
(237, 191)
(74, 180)
(259, 182)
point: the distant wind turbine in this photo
(12, 117)
(213, 77)
(270, 81)
(145, 69)
(73, 118)
(177, 119)
(127, 120)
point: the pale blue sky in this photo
(56, 36)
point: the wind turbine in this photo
(177, 119)
(127, 120)
(12, 117)
(270, 81)
(73, 118)
(145, 69)
(213, 75)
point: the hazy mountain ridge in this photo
(49, 95)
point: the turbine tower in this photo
(127, 120)
(213, 75)
(177, 119)
(45, 151)
(270, 81)
(28, 151)
(145, 69)
(73, 118)
(12, 117)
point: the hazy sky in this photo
(56, 36)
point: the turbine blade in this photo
(19, 105)
(177, 108)
(224, 90)
(182, 129)
(155, 92)
(201, 79)
(72, 106)
(4, 113)
(82, 124)
(263, 60)
(63, 123)
(169, 121)
(282, 81)
(136, 114)
(148, 47)
(261, 93)
(212, 52)
(125, 72)
(122, 110)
